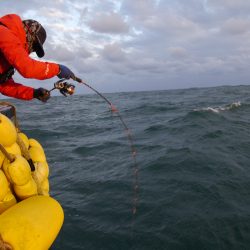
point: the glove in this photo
(41, 94)
(65, 72)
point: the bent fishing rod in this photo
(66, 88)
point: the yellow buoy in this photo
(5, 167)
(13, 149)
(34, 143)
(42, 169)
(19, 174)
(8, 201)
(8, 133)
(37, 154)
(32, 224)
(4, 185)
(25, 139)
(45, 187)
(19, 171)
(40, 176)
(27, 190)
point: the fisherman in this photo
(18, 39)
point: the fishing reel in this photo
(64, 87)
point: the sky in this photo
(138, 45)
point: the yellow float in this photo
(29, 217)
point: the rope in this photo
(15, 115)
(4, 245)
(25, 152)
(9, 156)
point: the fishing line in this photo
(131, 142)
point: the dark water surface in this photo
(194, 159)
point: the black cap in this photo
(38, 33)
(40, 39)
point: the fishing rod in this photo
(66, 88)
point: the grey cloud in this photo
(84, 66)
(231, 4)
(113, 52)
(60, 53)
(109, 23)
(20, 7)
(147, 64)
(236, 26)
(174, 25)
(83, 53)
(178, 52)
(127, 45)
(140, 9)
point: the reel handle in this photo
(64, 87)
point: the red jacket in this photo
(14, 52)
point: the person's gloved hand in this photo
(65, 72)
(41, 94)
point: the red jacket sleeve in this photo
(16, 90)
(18, 57)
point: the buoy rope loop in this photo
(15, 115)
(9, 156)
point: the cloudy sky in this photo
(133, 45)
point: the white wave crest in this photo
(219, 109)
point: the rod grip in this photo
(77, 79)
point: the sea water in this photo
(193, 154)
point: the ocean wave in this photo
(232, 106)
(156, 127)
(152, 108)
(197, 157)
